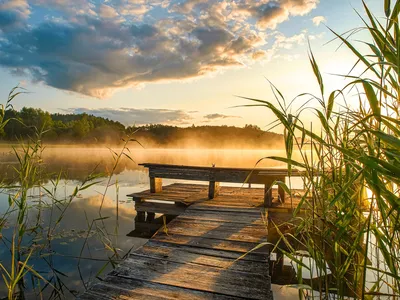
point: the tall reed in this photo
(32, 238)
(351, 160)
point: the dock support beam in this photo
(213, 189)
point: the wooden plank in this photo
(233, 176)
(212, 224)
(172, 197)
(162, 208)
(187, 174)
(174, 192)
(179, 187)
(252, 256)
(202, 242)
(116, 287)
(238, 175)
(218, 230)
(194, 222)
(227, 207)
(203, 278)
(174, 254)
(224, 209)
(244, 218)
(284, 171)
(232, 202)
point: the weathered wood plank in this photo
(188, 174)
(204, 278)
(174, 192)
(232, 203)
(238, 175)
(162, 208)
(115, 287)
(212, 224)
(252, 256)
(207, 224)
(174, 254)
(202, 242)
(242, 217)
(226, 208)
(222, 231)
(233, 176)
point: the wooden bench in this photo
(215, 175)
(172, 200)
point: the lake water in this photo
(79, 234)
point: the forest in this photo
(88, 129)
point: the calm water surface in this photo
(79, 234)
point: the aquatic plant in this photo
(351, 161)
(34, 192)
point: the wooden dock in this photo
(200, 254)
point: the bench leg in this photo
(281, 193)
(213, 189)
(267, 196)
(155, 185)
(150, 217)
(140, 216)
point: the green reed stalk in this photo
(23, 245)
(357, 150)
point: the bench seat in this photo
(176, 192)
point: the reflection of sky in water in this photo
(69, 237)
(85, 208)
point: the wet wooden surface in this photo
(196, 256)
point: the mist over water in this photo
(76, 162)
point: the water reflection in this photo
(67, 242)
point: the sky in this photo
(172, 62)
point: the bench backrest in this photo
(217, 174)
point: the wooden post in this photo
(155, 185)
(267, 195)
(281, 191)
(150, 217)
(140, 215)
(213, 189)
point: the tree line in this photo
(85, 128)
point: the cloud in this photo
(318, 20)
(219, 116)
(107, 11)
(13, 14)
(97, 49)
(271, 13)
(79, 7)
(131, 116)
